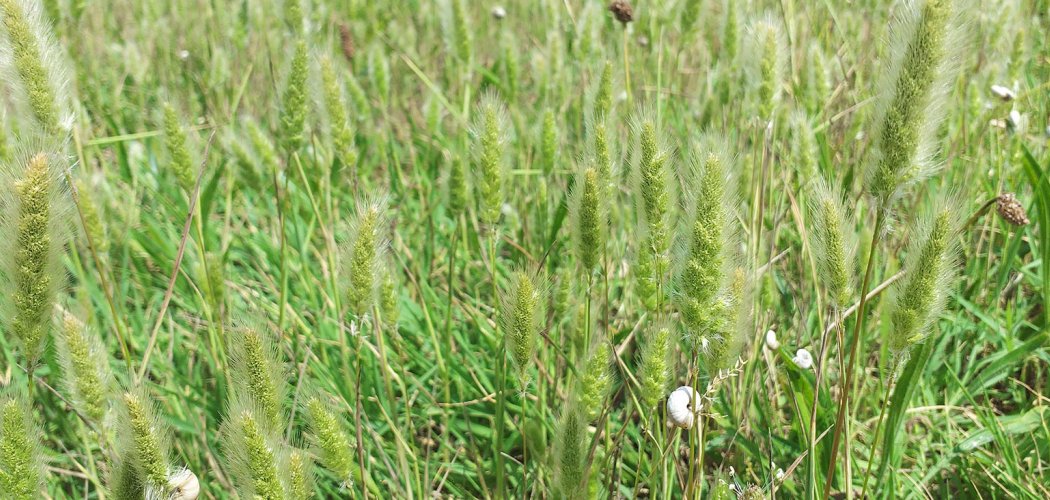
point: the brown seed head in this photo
(622, 10)
(1010, 208)
(346, 42)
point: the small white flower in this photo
(780, 474)
(498, 12)
(803, 359)
(184, 485)
(683, 405)
(184, 54)
(1003, 92)
(771, 340)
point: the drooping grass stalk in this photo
(21, 461)
(34, 219)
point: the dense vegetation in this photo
(285, 249)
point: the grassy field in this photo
(534, 249)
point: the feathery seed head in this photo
(654, 371)
(652, 179)
(175, 139)
(930, 271)
(294, 102)
(362, 264)
(21, 462)
(85, 368)
(300, 477)
(833, 243)
(589, 218)
(596, 379)
(910, 108)
(603, 93)
(549, 142)
(331, 441)
(146, 446)
(259, 374)
(766, 47)
(339, 125)
(490, 139)
(570, 456)
(254, 454)
(34, 217)
(27, 46)
(522, 318)
(457, 187)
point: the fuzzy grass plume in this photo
(361, 262)
(143, 444)
(654, 197)
(490, 141)
(589, 218)
(833, 244)
(911, 102)
(655, 364)
(85, 368)
(331, 442)
(175, 139)
(35, 220)
(254, 454)
(29, 48)
(521, 318)
(259, 374)
(294, 102)
(930, 271)
(21, 460)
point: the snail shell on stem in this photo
(683, 406)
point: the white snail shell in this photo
(683, 405)
(184, 485)
(803, 359)
(771, 340)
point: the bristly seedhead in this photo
(833, 243)
(589, 218)
(260, 377)
(33, 64)
(521, 319)
(458, 193)
(596, 378)
(35, 220)
(362, 261)
(727, 334)
(570, 453)
(654, 368)
(603, 98)
(143, 442)
(294, 102)
(490, 140)
(653, 187)
(389, 306)
(85, 368)
(805, 152)
(549, 142)
(910, 106)
(766, 48)
(254, 452)
(298, 468)
(175, 139)
(703, 244)
(21, 459)
(342, 134)
(333, 445)
(930, 271)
